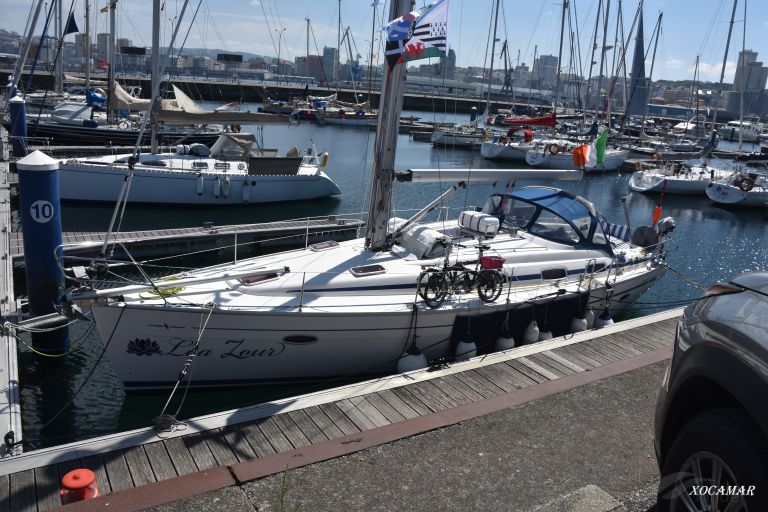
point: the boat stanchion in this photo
(18, 111)
(78, 485)
(41, 221)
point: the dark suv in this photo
(712, 414)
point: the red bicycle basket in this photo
(492, 262)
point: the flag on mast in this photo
(71, 27)
(418, 35)
(589, 155)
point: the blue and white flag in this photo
(619, 231)
(418, 35)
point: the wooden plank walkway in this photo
(121, 461)
(10, 411)
(161, 242)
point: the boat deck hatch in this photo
(367, 270)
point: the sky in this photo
(690, 28)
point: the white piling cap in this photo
(37, 161)
(16, 99)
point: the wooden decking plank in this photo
(488, 383)
(557, 366)
(290, 430)
(611, 342)
(570, 362)
(275, 435)
(447, 386)
(427, 393)
(384, 408)
(547, 374)
(589, 352)
(399, 404)
(339, 419)
(308, 427)
(256, 438)
(323, 422)
(23, 491)
(525, 370)
(117, 471)
(5, 493)
(499, 377)
(636, 336)
(360, 420)
(96, 464)
(480, 384)
(238, 443)
(640, 340)
(160, 461)
(471, 394)
(624, 345)
(139, 466)
(372, 413)
(412, 401)
(604, 349)
(546, 364)
(582, 360)
(47, 487)
(199, 451)
(219, 447)
(518, 378)
(180, 456)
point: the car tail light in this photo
(722, 289)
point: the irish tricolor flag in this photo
(589, 155)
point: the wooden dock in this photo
(223, 446)
(10, 410)
(250, 238)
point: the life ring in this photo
(554, 149)
(123, 124)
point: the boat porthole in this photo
(300, 339)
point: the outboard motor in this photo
(665, 226)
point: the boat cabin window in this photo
(599, 236)
(154, 163)
(221, 165)
(367, 270)
(200, 165)
(553, 273)
(552, 227)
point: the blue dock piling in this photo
(41, 221)
(18, 110)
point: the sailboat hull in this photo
(148, 345)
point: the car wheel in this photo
(717, 463)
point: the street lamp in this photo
(279, 44)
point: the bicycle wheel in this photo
(489, 285)
(436, 289)
(421, 285)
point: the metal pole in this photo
(156, 77)
(87, 45)
(24, 52)
(59, 48)
(111, 57)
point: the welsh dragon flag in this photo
(589, 155)
(418, 35)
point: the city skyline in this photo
(241, 26)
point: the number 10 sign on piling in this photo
(41, 223)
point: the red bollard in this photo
(78, 485)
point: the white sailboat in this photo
(744, 187)
(408, 288)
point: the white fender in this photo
(200, 183)
(412, 359)
(465, 350)
(217, 187)
(225, 186)
(531, 334)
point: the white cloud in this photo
(676, 64)
(711, 72)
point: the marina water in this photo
(709, 244)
